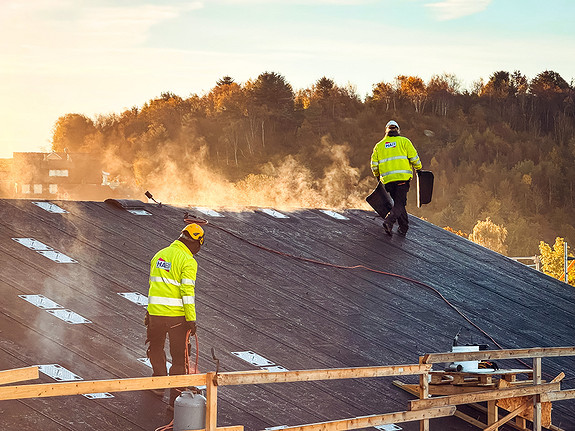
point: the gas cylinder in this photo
(189, 411)
(466, 366)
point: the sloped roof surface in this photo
(286, 289)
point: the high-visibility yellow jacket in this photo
(392, 159)
(172, 282)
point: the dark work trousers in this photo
(176, 330)
(398, 191)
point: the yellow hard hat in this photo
(195, 231)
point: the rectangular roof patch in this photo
(57, 256)
(253, 358)
(136, 297)
(68, 316)
(40, 301)
(50, 207)
(45, 250)
(273, 213)
(275, 369)
(209, 212)
(138, 212)
(61, 374)
(32, 244)
(334, 215)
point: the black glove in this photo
(191, 325)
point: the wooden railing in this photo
(540, 391)
(422, 410)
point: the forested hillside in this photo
(504, 149)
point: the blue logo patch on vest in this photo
(162, 264)
(390, 144)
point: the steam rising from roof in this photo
(285, 184)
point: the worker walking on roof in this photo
(392, 161)
(171, 304)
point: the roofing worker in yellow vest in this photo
(392, 161)
(171, 304)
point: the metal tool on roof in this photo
(149, 196)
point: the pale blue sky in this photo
(103, 56)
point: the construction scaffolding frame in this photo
(423, 410)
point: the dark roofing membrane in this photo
(299, 314)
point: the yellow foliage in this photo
(489, 235)
(553, 260)
(456, 232)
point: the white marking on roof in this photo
(59, 373)
(275, 369)
(146, 361)
(45, 250)
(50, 207)
(136, 297)
(334, 215)
(56, 256)
(209, 212)
(41, 301)
(389, 427)
(139, 212)
(98, 395)
(253, 358)
(32, 244)
(273, 213)
(68, 316)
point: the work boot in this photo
(402, 231)
(387, 228)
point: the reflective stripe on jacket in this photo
(172, 282)
(393, 158)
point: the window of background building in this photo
(37, 189)
(53, 188)
(25, 189)
(58, 172)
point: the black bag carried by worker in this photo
(380, 200)
(424, 187)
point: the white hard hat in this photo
(391, 123)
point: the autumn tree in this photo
(270, 104)
(553, 260)
(550, 91)
(489, 235)
(413, 89)
(383, 94)
(71, 132)
(441, 90)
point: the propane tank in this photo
(189, 411)
(466, 366)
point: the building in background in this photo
(56, 175)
